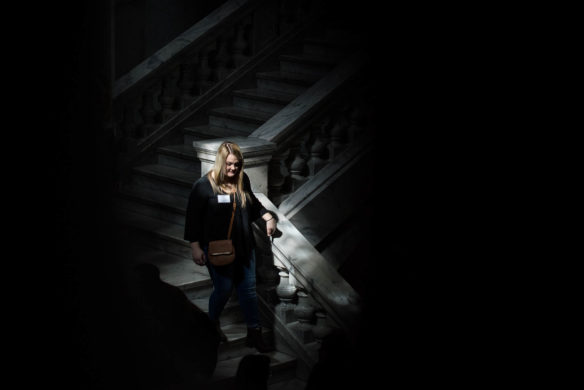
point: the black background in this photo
(426, 309)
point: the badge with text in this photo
(223, 199)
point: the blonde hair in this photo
(217, 174)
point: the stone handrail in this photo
(310, 270)
(294, 116)
(177, 82)
(164, 56)
(330, 192)
(311, 130)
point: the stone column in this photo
(257, 153)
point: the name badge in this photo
(223, 199)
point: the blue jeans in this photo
(245, 283)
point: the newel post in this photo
(256, 152)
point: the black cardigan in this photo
(207, 219)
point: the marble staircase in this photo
(158, 191)
(152, 203)
(196, 284)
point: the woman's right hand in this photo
(198, 254)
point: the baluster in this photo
(322, 328)
(356, 123)
(239, 45)
(286, 293)
(186, 83)
(130, 129)
(277, 175)
(325, 126)
(221, 60)
(318, 152)
(304, 313)
(337, 136)
(133, 122)
(298, 167)
(148, 111)
(203, 71)
(169, 93)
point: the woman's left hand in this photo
(271, 226)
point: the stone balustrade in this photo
(296, 278)
(168, 87)
(309, 298)
(301, 158)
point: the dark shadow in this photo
(174, 342)
(253, 372)
(335, 368)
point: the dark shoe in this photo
(222, 337)
(255, 339)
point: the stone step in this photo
(262, 100)
(236, 334)
(156, 233)
(193, 133)
(282, 369)
(306, 64)
(183, 273)
(236, 118)
(285, 82)
(179, 156)
(231, 314)
(164, 178)
(179, 271)
(154, 204)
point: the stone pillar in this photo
(257, 153)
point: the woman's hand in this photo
(198, 254)
(271, 226)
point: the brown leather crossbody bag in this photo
(222, 252)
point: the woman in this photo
(209, 211)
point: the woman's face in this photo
(232, 166)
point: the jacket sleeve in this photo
(256, 209)
(195, 214)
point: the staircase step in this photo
(231, 313)
(262, 100)
(307, 64)
(154, 232)
(199, 132)
(155, 204)
(236, 118)
(236, 336)
(285, 82)
(164, 178)
(179, 156)
(282, 368)
(179, 271)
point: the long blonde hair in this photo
(217, 174)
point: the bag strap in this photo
(232, 215)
